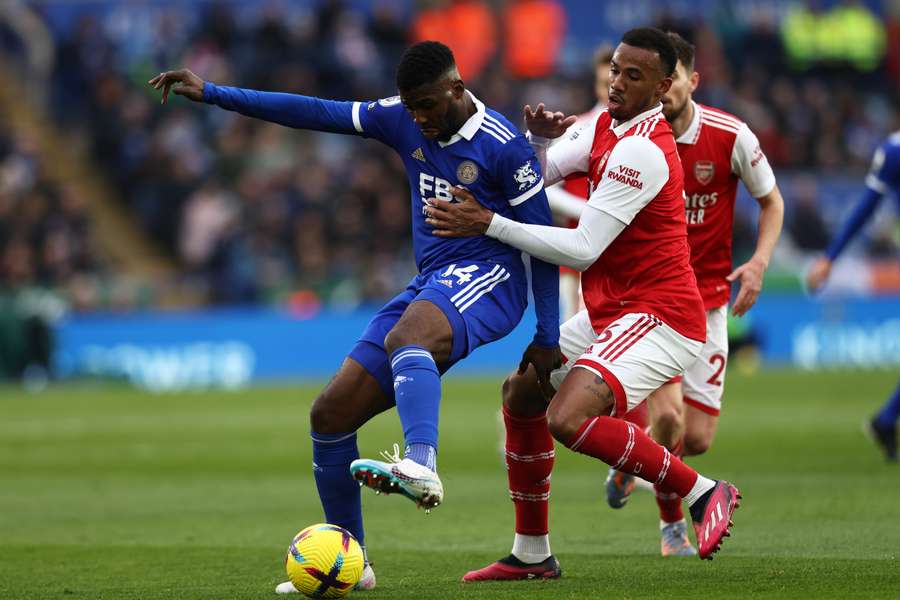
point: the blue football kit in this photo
(883, 180)
(479, 283)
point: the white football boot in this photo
(366, 582)
(418, 483)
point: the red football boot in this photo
(712, 516)
(511, 568)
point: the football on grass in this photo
(324, 561)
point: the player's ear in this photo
(457, 88)
(695, 81)
(663, 86)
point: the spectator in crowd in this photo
(254, 213)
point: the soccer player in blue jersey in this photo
(469, 291)
(883, 179)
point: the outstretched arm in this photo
(821, 268)
(612, 206)
(564, 203)
(884, 169)
(576, 248)
(292, 110)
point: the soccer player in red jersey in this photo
(644, 323)
(717, 150)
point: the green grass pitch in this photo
(107, 492)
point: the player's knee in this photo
(563, 424)
(521, 397)
(696, 443)
(326, 416)
(397, 338)
(668, 419)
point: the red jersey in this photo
(636, 177)
(717, 150)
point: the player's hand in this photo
(544, 361)
(818, 274)
(545, 123)
(750, 275)
(182, 82)
(465, 218)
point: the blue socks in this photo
(417, 389)
(423, 454)
(339, 493)
(890, 412)
(417, 392)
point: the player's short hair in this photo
(423, 63)
(603, 56)
(684, 50)
(651, 38)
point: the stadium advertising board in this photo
(232, 348)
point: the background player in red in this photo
(644, 322)
(717, 150)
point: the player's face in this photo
(601, 83)
(636, 82)
(678, 96)
(437, 108)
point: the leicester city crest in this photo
(467, 172)
(704, 170)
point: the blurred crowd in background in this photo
(252, 212)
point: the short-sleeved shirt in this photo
(884, 173)
(636, 177)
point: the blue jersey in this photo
(883, 179)
(488, 156)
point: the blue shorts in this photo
(483, 302)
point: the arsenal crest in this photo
(704, 171)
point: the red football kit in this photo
(647, 267)
(717, 150)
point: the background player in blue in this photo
(469, 291)
(883, 179)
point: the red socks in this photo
(668, 501)
(529, 461)
(625, 447)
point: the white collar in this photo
(691, 134)
(470, 127)
(620, 130)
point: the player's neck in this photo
(681, 123)
(637, 113)
(468, 109)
